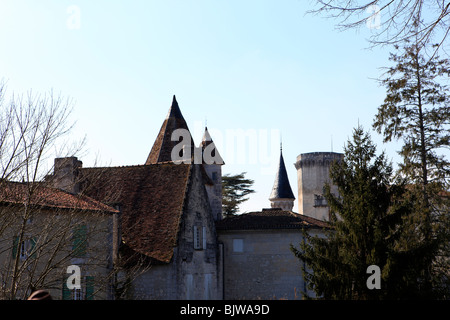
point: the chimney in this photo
(65, 174)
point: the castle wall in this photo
(313, 171)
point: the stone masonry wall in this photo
(260, 265)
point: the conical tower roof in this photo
(281, 188)
(163, 146)
(211, 151)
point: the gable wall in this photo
(198, 273)
(192, 273)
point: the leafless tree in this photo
(391, 21)
(44, 229)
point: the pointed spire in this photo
(206, 139)
(282, 195)
(163, 145)
(174, 110)
(210, 153)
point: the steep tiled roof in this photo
(163, 146)
(269, 219)
(281, 187)
(40, 195)
(151, 199)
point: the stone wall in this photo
(260, 265)
(197, 257)
(214, 172)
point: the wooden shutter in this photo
(32, 245)
(89, 288)
(66, 293)
(79, 241)
(15, 247)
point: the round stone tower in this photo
(313, 171)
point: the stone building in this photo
(45, 230)
(258, 261)
(168, 213)
(167, 238)
(171, 216)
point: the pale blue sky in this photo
(262, 67)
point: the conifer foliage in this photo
(417, 110)
(366, 228)
(235, 188)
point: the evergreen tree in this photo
(417, 110)
(234, 190)
(366, 228)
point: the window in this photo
(238, 245)
(24, 248)
(196, 238)
(199, 237)
(320, 201)
(77, 294)
(86, 292)
(23, 251)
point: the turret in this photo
(313, 172)
(282, 196)
(212, 162)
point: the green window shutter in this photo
(79, 241)
(32, 245)
(66, 293)
(15, 247)
(89, 288)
